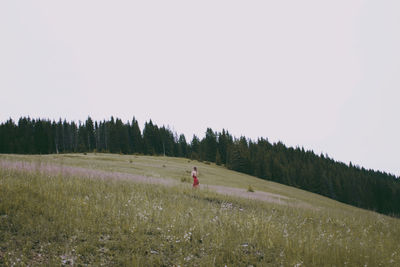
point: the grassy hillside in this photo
(50, 215)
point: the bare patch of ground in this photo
(259, 195)
(269, 197)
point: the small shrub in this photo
(250, 189)
(185, 179)
(164, 166)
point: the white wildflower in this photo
(67, 260)
(157, 207)
(215, 219)
(187, 236)
(226, 205)
(104, 238)
(188, 258)
(103, 250)
(285, 233)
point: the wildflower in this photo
(285, 233)
(67, 260)
(188, 258)
(157, 207)
(215, 219)
(104, 238)
(103, 250)
(187, 236)
(226, 205)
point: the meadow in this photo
(77, 209)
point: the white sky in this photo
(320, 74)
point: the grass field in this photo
(51, 214)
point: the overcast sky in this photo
(320, 74)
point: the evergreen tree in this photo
(97, 136)
(122, 134)
(167, 141)
(136, 137)
(152, 140)
(183, 146)
(24, 136)
(210, 145)
(67, 137)
(195, 148)
(218, 158)
(82, 138)
(239, 156)
(91, 140)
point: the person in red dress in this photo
(194, 176)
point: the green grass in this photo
(54, 219)
(179, 169)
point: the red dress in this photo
(195, 181)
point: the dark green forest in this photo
(354, 185)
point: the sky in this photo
(323, 75)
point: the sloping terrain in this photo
(54, 168)
(107, 209)
(167, 170)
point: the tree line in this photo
(354, 185)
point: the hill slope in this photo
(297, 167)
(51, 214)
(178, 169)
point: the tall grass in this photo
(63, 219)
